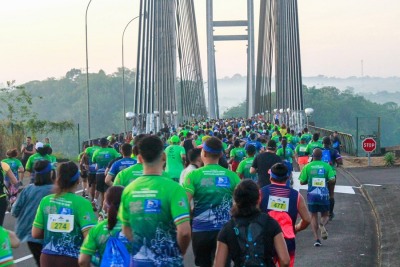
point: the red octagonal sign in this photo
(369, 145)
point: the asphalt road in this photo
(352, 234)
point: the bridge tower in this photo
(213, 105)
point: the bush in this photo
(389, 159)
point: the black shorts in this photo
(100, 182)
(204, 245)
(92, 179)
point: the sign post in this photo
(369, 145)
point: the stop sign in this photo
(369, 145)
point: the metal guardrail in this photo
(346, 140)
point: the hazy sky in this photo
(46, 38)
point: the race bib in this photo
(278, 203)
(303, 149)
(318, 182)
(222, 181)
(60, 223)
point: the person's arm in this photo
(108, 180)
(84, 260)
(304, 215)
(13, 239)
(281, 250)
(221, 254)
(194, 144)
(127, 231)
(183, 236)
(37, 233)
(253, 170)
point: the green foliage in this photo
(390, 159)
(238, 111)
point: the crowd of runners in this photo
(223, 186)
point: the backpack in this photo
(115, 253)
(250, 237)
(327, 156)
(335, 145)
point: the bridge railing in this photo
(346, 140)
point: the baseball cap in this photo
(174, 139)
(39, 145)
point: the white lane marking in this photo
(23, 258)
(343, 189)
(31, 256)
(372, 184)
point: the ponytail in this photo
(113, 199)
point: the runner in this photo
(95, 242)
(5, 170)
(333, 158)
(63, 220)
(313, 144)
(8, 240)
(101, 158)
(306, 135)
(317, 174)
(92, 168)
(253, 141)
(119, 165)
(84, 170)
(263, 162)
(287, 155)
(27, 204)
(41, 154)
(278, 199)
(18, 171)
(27, 149)
(236, 155)
(301, 153)
(188, 144)
(155, 212)
(176, 157)
(211, 189)
(231, 241)
(336, 144)
(243, 169)
(195, 162)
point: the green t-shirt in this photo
(238, 154)
(33, 158)
(311, 146)
(103, 156)
(6, 256)
(125, 177)
(307, 136)
(244, 169)
(63, 219)
(301, 150)
(316, 169)
(288, 155)
(14, 164)
(96, 240)
(211, 187)
(174, 165)
(152, 206)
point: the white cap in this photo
(38, 145)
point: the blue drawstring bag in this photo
(115, 254)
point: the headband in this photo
(279, 178)
(47, 169)
(210, 150)
(75, 177)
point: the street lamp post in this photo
(281, 116)
(309, 112)
(157, 120)
(123, 69)
(288, 116)
(87, 71)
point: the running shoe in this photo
(331, 216)
(324, 233)
(317, 243)
(94, 205)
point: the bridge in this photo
(168, 48)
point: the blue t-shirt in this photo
(256, 144)
(121, 164)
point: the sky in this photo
(46, 38)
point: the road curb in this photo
(367, 197)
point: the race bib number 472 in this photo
(60, 223)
